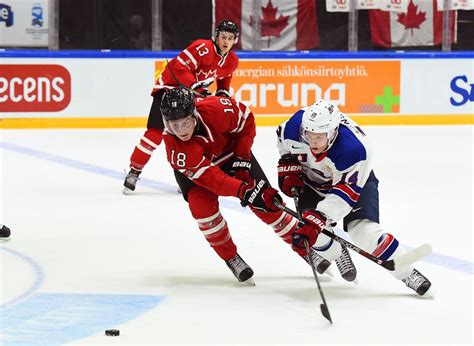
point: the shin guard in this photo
(282, 223)
(216, 232)
(369, 236)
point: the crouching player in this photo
(208, 144)
(326, 159)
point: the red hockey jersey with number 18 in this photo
(200, 61)
(226, 129)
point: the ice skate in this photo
(130, 181)
(320, 262)
(4, 233)
(241, 270)
(346, 266)
(417, 282)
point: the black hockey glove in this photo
(201, 84)
(241, 170)
(201, 87)
(222, 92)
(259, 195)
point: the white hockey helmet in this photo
(321, 117)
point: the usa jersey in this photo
(226, 128)
(337, 174)
(200, 61)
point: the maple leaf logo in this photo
(412, 19)
(270, 24)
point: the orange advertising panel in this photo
(280, 87)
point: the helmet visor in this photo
(181, 126)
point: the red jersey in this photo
(200, 61)
(226, 128)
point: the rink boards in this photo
(93, 89)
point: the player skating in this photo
(196, 67)
(326, 159)
(208, 144)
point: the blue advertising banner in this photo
(23, 23)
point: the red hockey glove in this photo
(241, 170)
(223, 93)
(259, 195)
(290, 175)
(309, 230)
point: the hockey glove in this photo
(204, 92)
(259, 195)
(241, 170)
(201, 87)
(290, 175)
(308, 230)
(202, 84)
(223, 93)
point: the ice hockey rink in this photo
(84, 258)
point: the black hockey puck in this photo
(112, 332)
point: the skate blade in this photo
(328, 272)
(127, 191)
(249, 282)
(428, 295)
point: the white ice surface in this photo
(64, 204)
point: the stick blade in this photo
(413, 256)
(325, 312)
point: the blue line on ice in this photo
(437, 259)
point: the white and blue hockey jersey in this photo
(337, 174)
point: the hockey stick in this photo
(401, 261)
(324, 305)
(195, 92)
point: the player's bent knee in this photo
(365, 233)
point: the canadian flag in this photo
(420, 25)
(284, 25)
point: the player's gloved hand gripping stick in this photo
(195, 92)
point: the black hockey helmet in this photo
(228, 26)
(177, 103)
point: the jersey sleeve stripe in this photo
(242, 117)
(149, 142)
(145, 150)
(199, 172)
(222, 159)
(190, 56)
(352, 191)
(344, 197)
